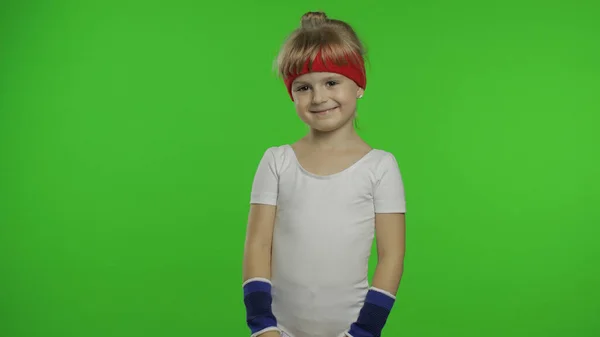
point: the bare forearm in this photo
(257, 262)
(388, 273)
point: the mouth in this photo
(323, 112)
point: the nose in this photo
(318, 96)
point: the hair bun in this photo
(313, 19)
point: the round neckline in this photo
(329, 176)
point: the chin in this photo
(327, 126)
(322, 128)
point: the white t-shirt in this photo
(323, 234)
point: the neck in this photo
(340, 139)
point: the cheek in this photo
(348, 102)
(301, 105)
(346, 97)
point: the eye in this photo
(302, 88)
(331, 83)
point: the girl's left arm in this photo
(390, 229)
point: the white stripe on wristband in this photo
(383, 292)
(262, 279)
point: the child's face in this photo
(325, 101)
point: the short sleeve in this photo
(389, 196)
(266, 181)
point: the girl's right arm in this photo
(257, 248)
(259, 239)
(257, 271)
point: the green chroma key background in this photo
(130, 132)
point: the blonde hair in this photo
(336, 40)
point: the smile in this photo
(322, 112)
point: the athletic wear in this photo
(323, 234)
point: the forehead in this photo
(317, 77)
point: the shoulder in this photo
(277, 157)
(382, 159)
(276, 153)
(375, 166)
(384, 165)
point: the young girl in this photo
(317, 204)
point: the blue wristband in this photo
(257, 298)
(373, 315)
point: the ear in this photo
(360, 92)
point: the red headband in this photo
(352, 69)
